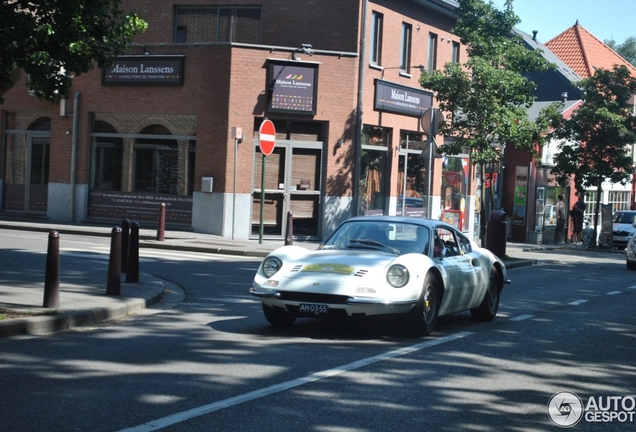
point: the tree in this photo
(627, 49)
(54, 40)
(598, 138)
(488, 94)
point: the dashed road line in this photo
(256, 394)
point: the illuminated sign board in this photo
(399, 99)
(144, 70)
(292, 87)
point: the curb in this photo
(70, 318)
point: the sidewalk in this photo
(83, 299)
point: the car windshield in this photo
(395, 237)
(625, 218)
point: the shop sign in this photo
(292, 87)
(399, 99)
(144, 70)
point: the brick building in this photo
(176, 121)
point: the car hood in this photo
(332, 261)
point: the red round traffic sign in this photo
(267, 137)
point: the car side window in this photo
(445, 240)
(464, 244)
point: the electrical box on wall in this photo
(207, 184)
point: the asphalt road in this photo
(210, 361)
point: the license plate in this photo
(313, 308)
(618, 238)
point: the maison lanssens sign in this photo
(399, 99)
(145, 70)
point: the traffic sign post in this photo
(266, 142)
(431, 120)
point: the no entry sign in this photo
(267, 137)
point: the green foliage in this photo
(53, 40)
(488, 94)
(597, 139)
(627, 49)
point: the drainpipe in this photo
(358, 131)
(74, 152)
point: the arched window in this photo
(156, 162)
(106, 161)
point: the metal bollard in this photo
(132, 275)
(113, 283)
(125, 236)
(161, 228)
(52, 276)
(289, 236)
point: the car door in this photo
(457, 266)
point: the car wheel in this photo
(277, 317)
(422, 319)
(489, 306)
(631, 265)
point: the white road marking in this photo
(256, 394)
(521, 317)
(613, 292)
(578, 302)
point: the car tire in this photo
(489, 306)
(277, 317)
(631, 265)
(422, 319)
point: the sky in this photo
(605, 19)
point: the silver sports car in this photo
(415, 268)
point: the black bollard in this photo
(125, 236)
(113, 283)
(52, 276)
(161, 227)
(132, 275)
(289, 236)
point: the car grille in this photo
(621, 233)
(313, 297)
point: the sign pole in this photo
(260, 231)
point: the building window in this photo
(432, 52)
(455, 53)
(376, 38)
(218, 24)
(405, 57)
(373, 170)
(156, 163)
(619, 200)
(106, 162)
(412, 185)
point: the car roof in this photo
(401, 219)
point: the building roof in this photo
(584, 53)
(551, 85)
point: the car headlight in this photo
(271, 265)
(397, 276)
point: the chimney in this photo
(534, 35)
(564, 97)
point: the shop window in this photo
(218, 24)
(412, 188)
(551, 196)
(106, 161)
(455, 175)
(373, 166)
(156, 165)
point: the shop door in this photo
(292, 184)
(27, 174)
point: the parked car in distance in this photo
(622, 227)
(630, 252)
(415, 269)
